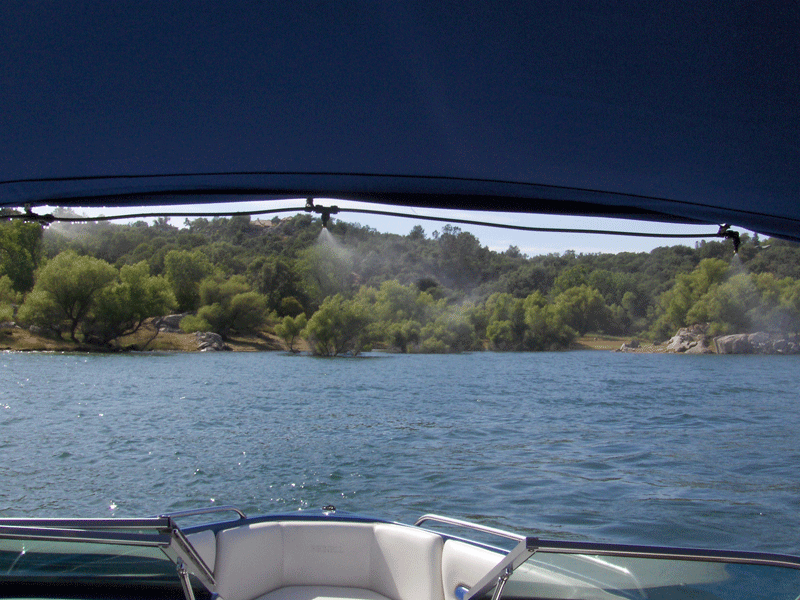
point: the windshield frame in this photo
(71, 536)
(529, 547)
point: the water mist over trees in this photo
(351, 288)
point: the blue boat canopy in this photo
(669, 111)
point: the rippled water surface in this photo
(700, 451)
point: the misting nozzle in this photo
(725, 231)
(326, 212)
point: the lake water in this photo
(634, 448)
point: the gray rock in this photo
(689, 338)
(169, 323)
(755, 343)
(738, 343)
(629, 347)
(699, 347)
(208, 341)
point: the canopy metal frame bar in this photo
(724, 230)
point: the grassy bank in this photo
(613, 343)
(18, 339)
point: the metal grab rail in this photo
(203, 511)
(469, 525)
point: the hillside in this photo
(422, 292)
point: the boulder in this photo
(677, 344)
(208, 341)
(784, 346)
(689, 338)
(755, 343)
(738, 343)
(629, 346)
(699, 347)
(760, 342)
(169, 323)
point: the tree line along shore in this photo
(287, 283)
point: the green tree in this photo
(787, 315)
(397, 302)
(403, 335)
(501, 335)
(339, 326)
(290, 328)
(528, 278)
(546, 328)
(291, 307)
(277, 279)
(582, 308)
(185, 270)
(123, 307)
(7, 292)
(66, 290)
(451, 331)
(8, 298)
(571, 278)
(417, 233)
(228, 305)
(20, 251)
(327, 268)
(398, 312)
(688, 289)
(463, 262)
(730, 307)
(506, 327)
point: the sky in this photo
(529, 243)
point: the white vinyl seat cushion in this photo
(205, 543)
(376, 560)
(465, 565)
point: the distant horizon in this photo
(496, 239)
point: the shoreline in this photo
(17, 339)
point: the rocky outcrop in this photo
(691, 340)
(169, 323)
(695, 340)
(701, 347)
(208, 341)
(733, 344)
(755, 343)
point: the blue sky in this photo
(530, 243)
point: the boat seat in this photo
(463, 565)
(206, 545)
(365, 561)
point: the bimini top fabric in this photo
(675, 111)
